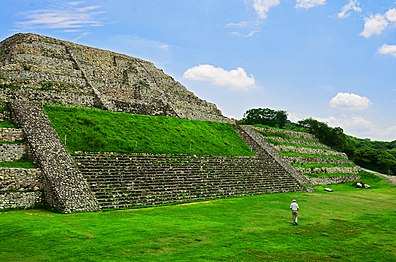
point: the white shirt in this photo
(294, 206)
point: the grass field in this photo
(96, 130)
(348, 224)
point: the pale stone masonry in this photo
(65, 189)
(101, 78)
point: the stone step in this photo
(120, 181)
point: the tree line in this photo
(375, 155)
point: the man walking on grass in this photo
(294, 207)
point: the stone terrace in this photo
(304, 143)
(20, 188)
(124, 181)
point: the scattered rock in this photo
(360, 185)
(328, 189)
(366, 186)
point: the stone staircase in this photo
(20, 188)
(125, 181)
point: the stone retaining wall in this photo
(296, 141)
(292, 134)
(47, 96)
(330, 170)
(21, 179)
(11, 134)
(317, 160)
(65, 188)
(124, 181)
(20, 200)
(333, 180)
(12, 152)
(309, 151)
(4, 115)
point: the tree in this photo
(332, 137)
(265, 116)
(376, 159)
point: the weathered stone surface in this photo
(10, 134)
(65, 188)
(117, 82)
(20, 200)
(289, 133)
(333, 180)
(268, 149)
(309, 151)
(123, 181)
(21, 179)
(12, 152)
(330, 170)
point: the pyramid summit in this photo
(41, 68)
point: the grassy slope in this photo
(348, 224)
(95, 130)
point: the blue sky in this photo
(334, 61)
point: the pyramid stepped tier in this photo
(68, 72)
(123, 181)
(20, 188)
(310, 157)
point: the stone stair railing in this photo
(269, 150)
(65, 189)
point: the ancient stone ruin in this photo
(37, 70)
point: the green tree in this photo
(376, 159)
(265, 116)
(332, 137)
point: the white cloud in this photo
(391, 15)
(361, 127)
(350, 101)
(262, 7)
(244, 28)
(68, 16)
(374, 25)
(352, 5)
(387, 50)
(236, 79)
(309, 3)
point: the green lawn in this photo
(349, 224)
(96, 130)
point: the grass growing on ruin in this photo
(21, 163)
(96, 130)
(7, 124)
(317, 165)
(349, 224)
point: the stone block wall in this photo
(322, 158)
(306, 150)
(20, 179)
(263, 146)
(292, 134)
(20, 188)
(116, 82)
(65, 189)
(10, 134)
(20, 200)
(12, 152)
(124, 181)
(333, 180)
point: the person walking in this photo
(294, 208)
